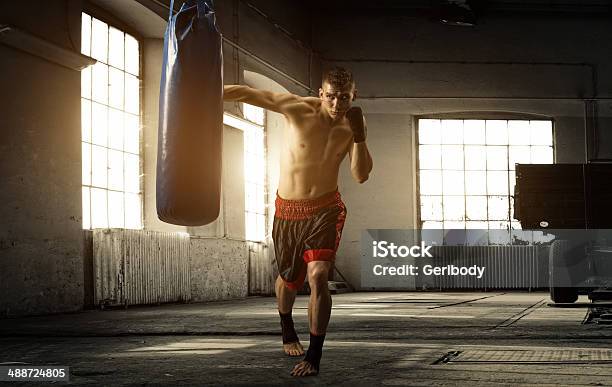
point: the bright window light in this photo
(110, 127)
(467, 172)
(254, 169)
(254, 114)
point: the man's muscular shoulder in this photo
(303, 106)
(314, 101)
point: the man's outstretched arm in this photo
(361, 160)
(276, 102)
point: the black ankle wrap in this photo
(289, 335)
(315, 350)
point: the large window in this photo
(467, 169)
(255, 179)
(255, 173)
(110, 103)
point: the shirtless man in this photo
(309, 213)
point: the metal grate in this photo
(509, 267)
(133, 267)
(517, 356)
(261, 269)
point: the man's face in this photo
(336, 101)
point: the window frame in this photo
(112, 20)
(487, 116)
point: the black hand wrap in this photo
(355, 118)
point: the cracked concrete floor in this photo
(408, 338)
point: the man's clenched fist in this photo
(355, 118)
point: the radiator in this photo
(262, 269)
(507, 267)
(133, 267)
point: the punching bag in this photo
(190, 135)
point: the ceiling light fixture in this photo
(457, 13)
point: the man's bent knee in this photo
(318, 273)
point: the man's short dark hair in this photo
(338, 77)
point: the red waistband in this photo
(302, 208)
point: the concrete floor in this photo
(373, 339)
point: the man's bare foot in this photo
(304, 368)
(293, 349)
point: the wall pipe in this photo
(591, 66)
(517, 98)
(586, 131)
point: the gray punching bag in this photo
(190, 136)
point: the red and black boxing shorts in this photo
(306, 230)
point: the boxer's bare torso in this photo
(313, 150)
(315, 142)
